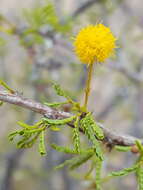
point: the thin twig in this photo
(134, 77)
(83, 8)
(32, 105)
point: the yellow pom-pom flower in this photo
(94, 43)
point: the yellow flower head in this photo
(94, 43)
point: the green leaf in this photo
(76, 136)
(49, 15)
(26, 126)
(12, 135)
(22, 142)
(40, 16)
(124, 172)
(89, 132)
(66, 150)
(63, 164)
(76, 161)
(140, 176)
(59, 90)
(27, 142)
(42, 148)
(96, 128)
(139, 171)
(123, 148)
(34, 130)
(54, 128)
(55, 104)
(81, 159)
(58, 121)
(98, 174)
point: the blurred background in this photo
(34, 54)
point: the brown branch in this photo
(110, 137)
(134, 77)
(114, 138)
(32, 105)
(83, 8)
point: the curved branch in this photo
(110, 137)
(32, 105)
(83, 7)
(134, 77)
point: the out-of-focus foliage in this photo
(40, 17)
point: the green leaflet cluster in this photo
(136, 168)
(80, 121)
(90, 123)
(93, 132)
(76, 136)
(86, 125)
(139, 173)
(60, 92)
(75, 162)
(125, 171)
(98, 168)
(29, 135)
(39, 17)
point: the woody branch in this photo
(110, 136)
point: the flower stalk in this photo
(88, 84)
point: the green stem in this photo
(88, 83)
(6, 86)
